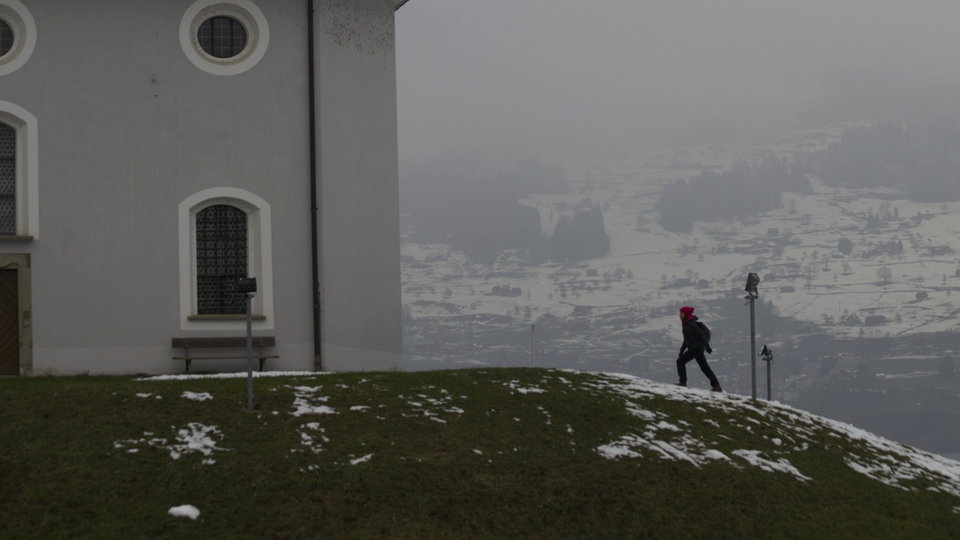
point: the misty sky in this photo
(606, 76)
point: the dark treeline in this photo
(581, 237)
(743, 191)
(921, 156)
(462, 200)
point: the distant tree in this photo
(845, 245)
(581, 237)
(884, 273)
(847, 269)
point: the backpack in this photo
(706, 332)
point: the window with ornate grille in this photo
(221, 260)
(222, 37)
(8, 180)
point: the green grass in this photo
(537, 473)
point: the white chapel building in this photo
(155, 152)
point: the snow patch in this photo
(363, 459)
(187, 510)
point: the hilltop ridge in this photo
(483, 453)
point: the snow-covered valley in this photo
(884, 312)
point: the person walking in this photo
(695, 342)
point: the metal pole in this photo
(753, 348)
(769, 361)
(533, 345)
(249, 357)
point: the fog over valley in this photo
(573, 173)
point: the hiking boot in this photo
(716, 388)
(680, 384)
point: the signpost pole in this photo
(769, 361)
(246, 287)
(249, 355)
(533, 344)
(752, 281)
(753, 347)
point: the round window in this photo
(18, 36)
(6, 38)
(222, 37)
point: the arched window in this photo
(224, 235)
(19, 177)
(8, 180)
(221, 259)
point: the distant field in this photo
(486, 453)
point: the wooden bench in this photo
(223, 343)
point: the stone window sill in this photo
(225, 317)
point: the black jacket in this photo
(693, 336)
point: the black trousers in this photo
(701, 361)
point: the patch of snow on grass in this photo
(878, 458)
(515, 386)
(195, 438)
(310, 441)
(197, 396)
(304, 401)
(187, 510)
(359, 460)
(753, 458)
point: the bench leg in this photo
(188, 365)
(261, 364)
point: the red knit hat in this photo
(687, 312)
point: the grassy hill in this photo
(487, 453)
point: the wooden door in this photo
(9, 327)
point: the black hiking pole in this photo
(752, 281)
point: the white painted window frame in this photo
(259, 258)
(245, 12)
(24, 28)
(27, 166)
